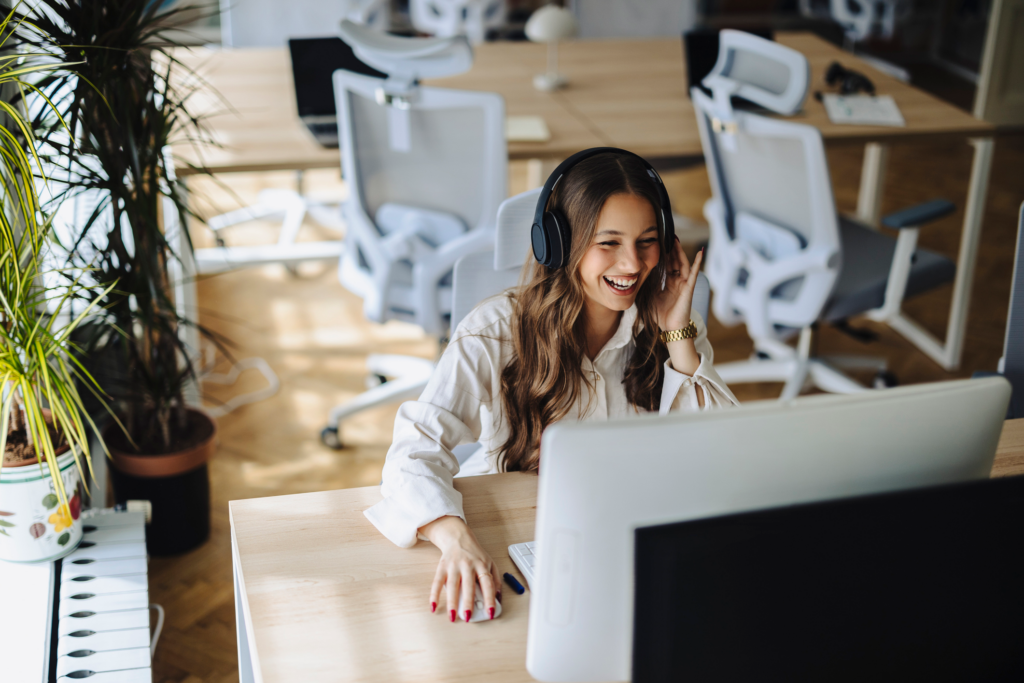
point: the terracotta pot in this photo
(177, 485)
(168, 464)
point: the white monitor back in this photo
(600, 481)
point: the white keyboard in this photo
(525, 557)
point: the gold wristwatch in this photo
(688, 332)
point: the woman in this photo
(580, 342)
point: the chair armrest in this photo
(916, 216)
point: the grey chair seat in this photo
(867, 259)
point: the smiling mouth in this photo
(622, 285)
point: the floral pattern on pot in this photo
(35, 526)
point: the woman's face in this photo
(624, 252)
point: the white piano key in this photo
(102, 621)
(108, 551)
(116, 602)
(116, 534)
(113, 519)
(101, 585)
(100, 662)
(102, 568)
(101, 641)
(129, 676)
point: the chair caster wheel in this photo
(373, 381)
(221, 242)
(885, 380)
(331, 438)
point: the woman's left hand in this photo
(673, 303)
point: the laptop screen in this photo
(314, 60)
(924, 585)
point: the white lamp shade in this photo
(550, 24)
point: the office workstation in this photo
(377, 270)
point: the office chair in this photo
(445, 18)
(1011, 365)
(270, 23)
(861, 20)
(426, 170)
(262, 24)
(647, 19)
(780, 259)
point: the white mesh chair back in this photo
(862, 19)
(512, 245)
(774, 252)
(445, 152)
(270, 23)
(470, 18)
(647, 19)
(759, 70)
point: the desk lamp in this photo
(550, 24)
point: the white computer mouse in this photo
(479, 611)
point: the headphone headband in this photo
(550, 237)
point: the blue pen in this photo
(516, 586)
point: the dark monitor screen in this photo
(700, 48)
(314, 60)
(925, 585)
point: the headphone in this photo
(551, 235)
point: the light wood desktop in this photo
(622, 93)
(323, 596)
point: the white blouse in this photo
(462, 405)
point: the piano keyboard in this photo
(103, 615)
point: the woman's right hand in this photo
(463, 563)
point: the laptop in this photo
(314, 60)
(922, 585)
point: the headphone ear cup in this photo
(559, 239)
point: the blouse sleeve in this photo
(420, 465)
(679, 391)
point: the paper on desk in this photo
(526, 129)
(865, 110)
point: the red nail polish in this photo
(433, 607)
(453, 616)
(490, 610)
(469, 615)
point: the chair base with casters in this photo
(404, 378)
(878, 273)
(293, 207)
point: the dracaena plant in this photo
(122, 96)
(38, 366)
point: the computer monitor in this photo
(921, 585)
(600, 481)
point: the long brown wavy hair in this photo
(545, 379)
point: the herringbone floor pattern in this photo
(313, 334)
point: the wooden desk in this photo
(322, 596)
(624, 93)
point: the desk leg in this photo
(872, 183)
(948, 354)
(245, 672)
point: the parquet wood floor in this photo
(312, 332)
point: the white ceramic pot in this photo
(33, 526)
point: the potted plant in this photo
(43, 440)
(118, 94)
